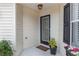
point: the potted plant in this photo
(53, 46)
(5, 48)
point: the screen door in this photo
(45, 29)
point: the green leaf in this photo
(52, 43)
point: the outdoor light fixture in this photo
(40, 6)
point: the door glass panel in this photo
(45, 29)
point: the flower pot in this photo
(53, 50)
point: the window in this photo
(74, 24)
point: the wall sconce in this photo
(40, 6)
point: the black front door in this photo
(67, 23)
(45, 29)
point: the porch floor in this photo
(36, 52)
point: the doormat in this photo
(42, 48)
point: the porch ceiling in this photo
(34, 5)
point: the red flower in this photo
(75, 49)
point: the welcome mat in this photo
(42, 48)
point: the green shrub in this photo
(52, 43)
(5, 48)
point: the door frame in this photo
(46, 43)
